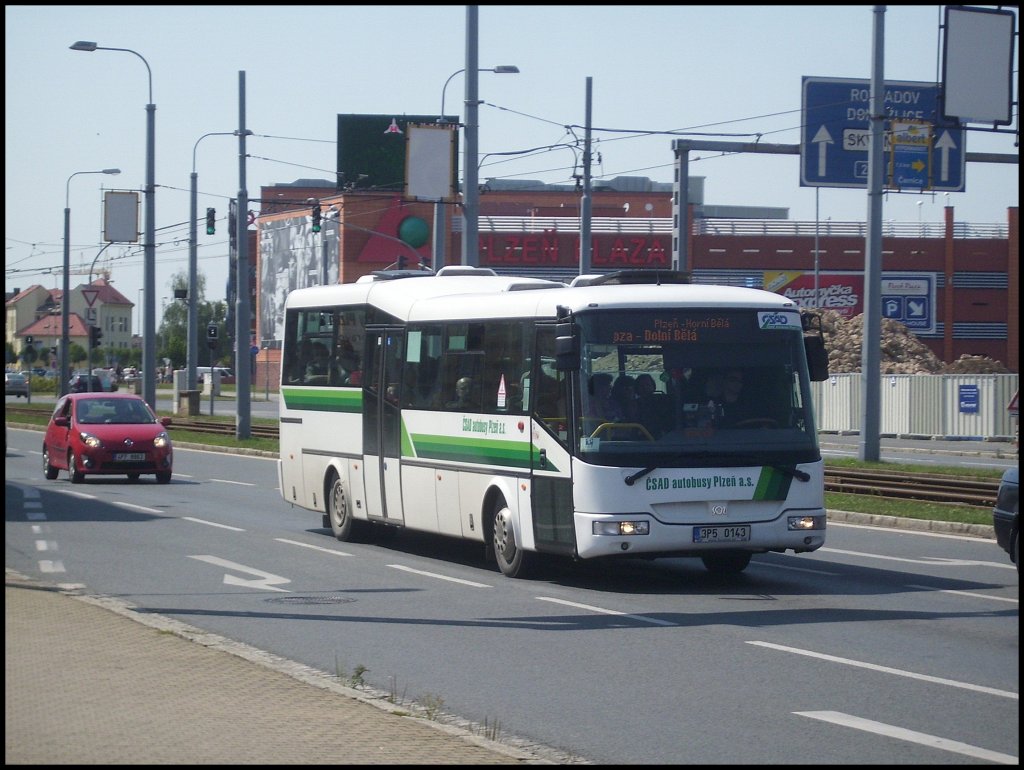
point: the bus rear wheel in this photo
(726, 562)
(512, 560)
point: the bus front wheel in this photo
(342, 525)
(512, 560)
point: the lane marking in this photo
(469, 583)
(966, 593)
(231, 481)
(935, 561)
(266, 581)
(808, 570)
(897, 530)
(212, 523)
(135, 507)
(888, 670)
(604, 611)
(313, 547)
(912, 736)
(51, 566)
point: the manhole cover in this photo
(310, 600)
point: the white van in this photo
(227, 377)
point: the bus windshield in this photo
(684, 387)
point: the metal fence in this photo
(957, 406)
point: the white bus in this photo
(471, 405)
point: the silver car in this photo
(15, 384)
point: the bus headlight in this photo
(617, 528)
(798, 523)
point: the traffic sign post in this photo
(836, 131)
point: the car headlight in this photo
(161, 441)
(90, 440)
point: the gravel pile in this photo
(901, 351)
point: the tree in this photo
(173, 332)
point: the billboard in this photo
(372, 150)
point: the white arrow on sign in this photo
(944, 144)
(266, 580)
(823, 139)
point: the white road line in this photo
(887, 670)
(135, 507)
(775, 565)
(936, 561)
(230, 481)
(51, 566)
(966, 593)
(440, 577)
(924, 739)
(212, 524)
(46, 545)
(898, 531)
(604, 611)
(314, 547)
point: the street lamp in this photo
(469, 198)
(65, 302)
(192, 354)
(501, 69)
(149, 243)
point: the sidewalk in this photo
(88, 681)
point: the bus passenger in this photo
(463, 395)
(598, 406)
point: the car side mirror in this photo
(165, 421)
(62, 421)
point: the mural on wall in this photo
(292, 257)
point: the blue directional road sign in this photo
(836, 129)
(910, 299)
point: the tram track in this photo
(926, 487)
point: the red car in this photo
(106, 433)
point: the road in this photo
(882, 647)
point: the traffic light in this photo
(316, 218)
(211, 335)
(95, 335)
(211, 221)
(28, 339)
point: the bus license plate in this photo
(124, 457)
(721, 534)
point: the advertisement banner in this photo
(842, 293)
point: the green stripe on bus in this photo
(772, 485)
(324, 399)
(514, 454)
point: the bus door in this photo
(382, 424)
(551, 497)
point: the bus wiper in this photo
(634, 477)
(793, 471)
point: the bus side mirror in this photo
(567, 350)
(817, 359)
(814, 346)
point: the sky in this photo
(721, 73)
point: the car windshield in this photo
(122, 411)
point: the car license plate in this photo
(125, 457)
(721, 534)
